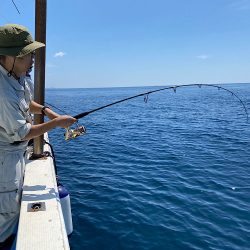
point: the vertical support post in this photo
(39, 78)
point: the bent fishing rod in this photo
(80, 130)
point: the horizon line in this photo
(139, 86)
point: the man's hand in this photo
(64, 121)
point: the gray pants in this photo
(11, 180)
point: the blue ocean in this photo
(172, 173)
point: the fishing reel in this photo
(73, 133)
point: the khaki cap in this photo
(16, 40)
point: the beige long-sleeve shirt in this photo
(15, 119)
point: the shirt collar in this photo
(13, 82)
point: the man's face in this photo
(22, 64)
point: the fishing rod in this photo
(146, 94)
(81, 130)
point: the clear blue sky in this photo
(103, 43)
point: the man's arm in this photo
(62, 121)
(36, 108)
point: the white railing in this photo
(41, 224)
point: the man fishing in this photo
(16, 58)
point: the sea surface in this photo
(172, 173)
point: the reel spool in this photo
(73, 133)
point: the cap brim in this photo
(30, 48)
(21, 51)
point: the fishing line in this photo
(16, 7)
(65, 113)
(53, 106)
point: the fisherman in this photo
(17, 49)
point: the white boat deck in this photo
(41, 230)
